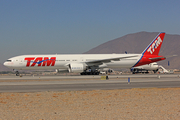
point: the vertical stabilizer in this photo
(154, 47)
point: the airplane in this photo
(80, 63)
(145, 68)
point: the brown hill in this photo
(137, 42)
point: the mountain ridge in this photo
(137, 42)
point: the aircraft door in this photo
(20, 61)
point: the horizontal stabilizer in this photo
(156, 58)
(170, 56)
(162, 57)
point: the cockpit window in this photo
(8, 60)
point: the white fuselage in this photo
(61, 61)
(82, 62)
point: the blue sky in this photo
(76, 26)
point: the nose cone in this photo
(8, 64)
(5, 63)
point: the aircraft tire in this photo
(17, 74)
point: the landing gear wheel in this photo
(17, 73)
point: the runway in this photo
(58, 77)
(73, 83)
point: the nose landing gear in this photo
(16, 72)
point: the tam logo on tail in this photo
(154, 47)
(151, 53)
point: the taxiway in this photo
(73, 83)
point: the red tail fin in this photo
(154, 47)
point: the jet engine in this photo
(76, 67)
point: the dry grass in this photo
(136, 104)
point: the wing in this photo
(109, 60)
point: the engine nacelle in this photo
(62, 71)
(76, 67)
